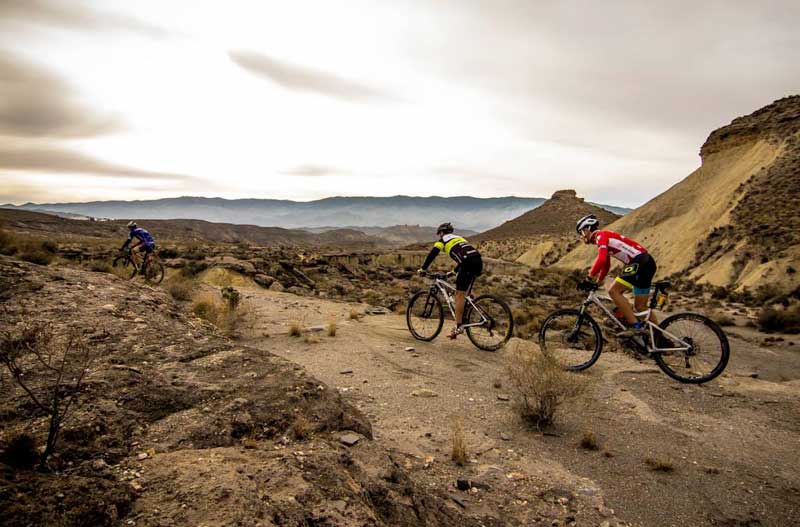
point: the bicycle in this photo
(681, 344)
(488, 321)
(154, 270)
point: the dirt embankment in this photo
(179, 426)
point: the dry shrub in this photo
(100, 266)
(8, 243)
(724, 319)
(294, 329)
(354, 315)
(659, 465)
(301, 428)
(541, 385)
(589, 441)
(50, 371)
(181, 288)
(211, 308)
(331, 328)
(782, 320)
(311, 339)
(459, 452)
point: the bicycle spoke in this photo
(706, 353)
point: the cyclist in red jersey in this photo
(637, 273)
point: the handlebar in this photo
(586, 285)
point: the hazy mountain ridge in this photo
(466, 212)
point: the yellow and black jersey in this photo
(454, 246)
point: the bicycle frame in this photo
(446, 290)
(599, 300)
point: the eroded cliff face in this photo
(734, 221)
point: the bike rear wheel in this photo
(573, 339)
(124, 263)
(707, 356)
(498, 328)
(154, 272)
(425, 316)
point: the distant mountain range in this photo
(465, 212)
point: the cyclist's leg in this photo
(617, 293)
(464, 280)
(641, 284)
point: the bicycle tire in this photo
(721, 339)
(155, 272)
(549, 325)
(432, 311)
(123, 262)
(473, 331)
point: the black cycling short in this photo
(638, 274)
(468, 271)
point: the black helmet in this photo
(131, 224)
(445, 228)
(590, 221)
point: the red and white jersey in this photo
(610, 243)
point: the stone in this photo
(463, 484)
(142, 456)
(503, 398)
(424, 392)
(263, 280)
(345, 372)
(409, 348)
(349, 439)
(99, 465)
(506, 437)
(276, 286)
(135, 485)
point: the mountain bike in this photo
(487, 319)
(131, 261)
(688, 347)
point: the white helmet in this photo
(589, 221)
(131, 224)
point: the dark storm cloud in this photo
(314, 171)
(305, 79)
(51, 159)
(36, 103)
(72, 15)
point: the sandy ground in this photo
(732, 443)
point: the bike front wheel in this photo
(708, 349)
(495, 323)
(124, 263)
(425, 316)
(571, 338)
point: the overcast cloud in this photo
(483, 98)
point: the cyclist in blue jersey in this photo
(145, 242)
(470, 266)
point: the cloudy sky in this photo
(115, 99)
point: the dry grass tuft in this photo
(541, 385)
(354, 315)
(294, 329)
(459, 452)
(249, 443)
(311, 339)
(589, 441)
(659, 465)
(302, 428)
(331, 328)
(211, 308)
(181, 288)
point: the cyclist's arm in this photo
(127, 242)
(603, 261)
(437, 247)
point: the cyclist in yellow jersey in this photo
(470, 266)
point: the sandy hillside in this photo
(733, 221)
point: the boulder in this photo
(263, 280)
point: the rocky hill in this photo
(542, 235)
(179, 426)
(735, 221)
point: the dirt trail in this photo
(731, 443)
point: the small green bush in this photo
(36, 256)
